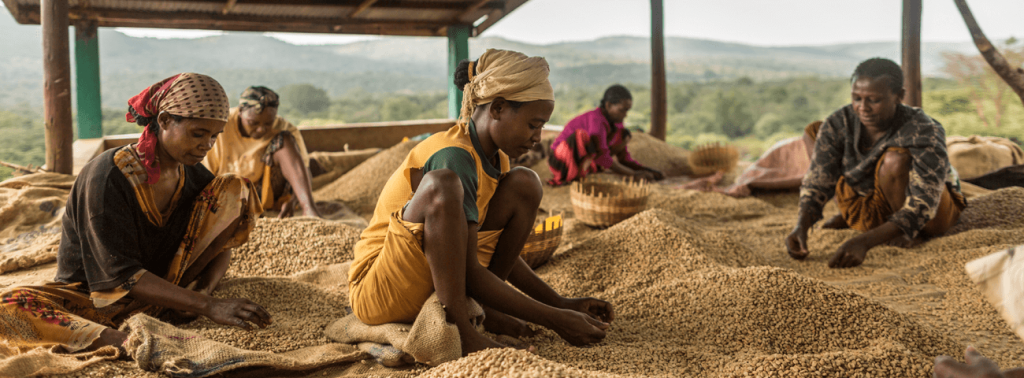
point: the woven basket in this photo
(714, 157)
(542, 242)
(602, 202)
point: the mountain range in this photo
(417, 64)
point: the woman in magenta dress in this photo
(596, 141)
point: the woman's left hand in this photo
(657, 174)
(643, 175)
(594, 307)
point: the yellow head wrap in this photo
(508, 74)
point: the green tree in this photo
(732, 114)
(989, 93)
(399, 108)
(768, 125)
(22, 133)
(303, 99)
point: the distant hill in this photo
(408, 64)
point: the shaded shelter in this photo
(455, 19)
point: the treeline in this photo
(751, 115)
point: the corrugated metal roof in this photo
(388, 17)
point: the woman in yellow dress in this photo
(268, 150)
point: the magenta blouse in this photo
(597, 126)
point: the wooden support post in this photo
(458, 50)
(659, 101)
(912, 52)
(56, 85)
(87, 76)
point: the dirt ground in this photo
(702, 287)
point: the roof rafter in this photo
(497, 14)
(380, 17)
(361, 8)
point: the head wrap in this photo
(507, 74)
(188, 95)
(259, 98)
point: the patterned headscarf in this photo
(188, 95)
(507, 74)
(258, 98)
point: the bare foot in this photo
(474, 341)
(905, 242)
(502, 324)
(705, 184)
(836, 223)
(111, 337)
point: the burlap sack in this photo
(387, 355)
(49, 361)
(781, 167)
(330, 276)
(655, 153)
(336, 164)
(31, 209)
(430, 339)
(1000, 277)
(161, 347)
(977, 155)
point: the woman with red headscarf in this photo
(146, 228)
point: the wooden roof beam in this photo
(497, 14)
(216, 21)
(470, 10)
(228, 6)
(406, 4)
(366, 4)
(13, 8)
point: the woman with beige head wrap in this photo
(454, 217)
(146, 228)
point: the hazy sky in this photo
(757, 22)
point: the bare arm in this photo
(214, 272)
(524, 278)
(297, 175)
(853, 251)
(228, 311)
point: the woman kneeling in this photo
(454, 218)
(146, 228)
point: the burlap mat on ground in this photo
(31, 209)
(430, 339)
(1000, 276)
(49, 361)
(977, 155)
(161, 347)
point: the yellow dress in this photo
(390, 280)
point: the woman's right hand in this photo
(238, 312)
(580, 329)
(796, 243)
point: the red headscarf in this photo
(188, 95)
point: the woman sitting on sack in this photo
(454, 217)
(596, 141)
(267, 150)
(146, 228)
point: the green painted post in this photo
(458, 50)
(87, 78)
